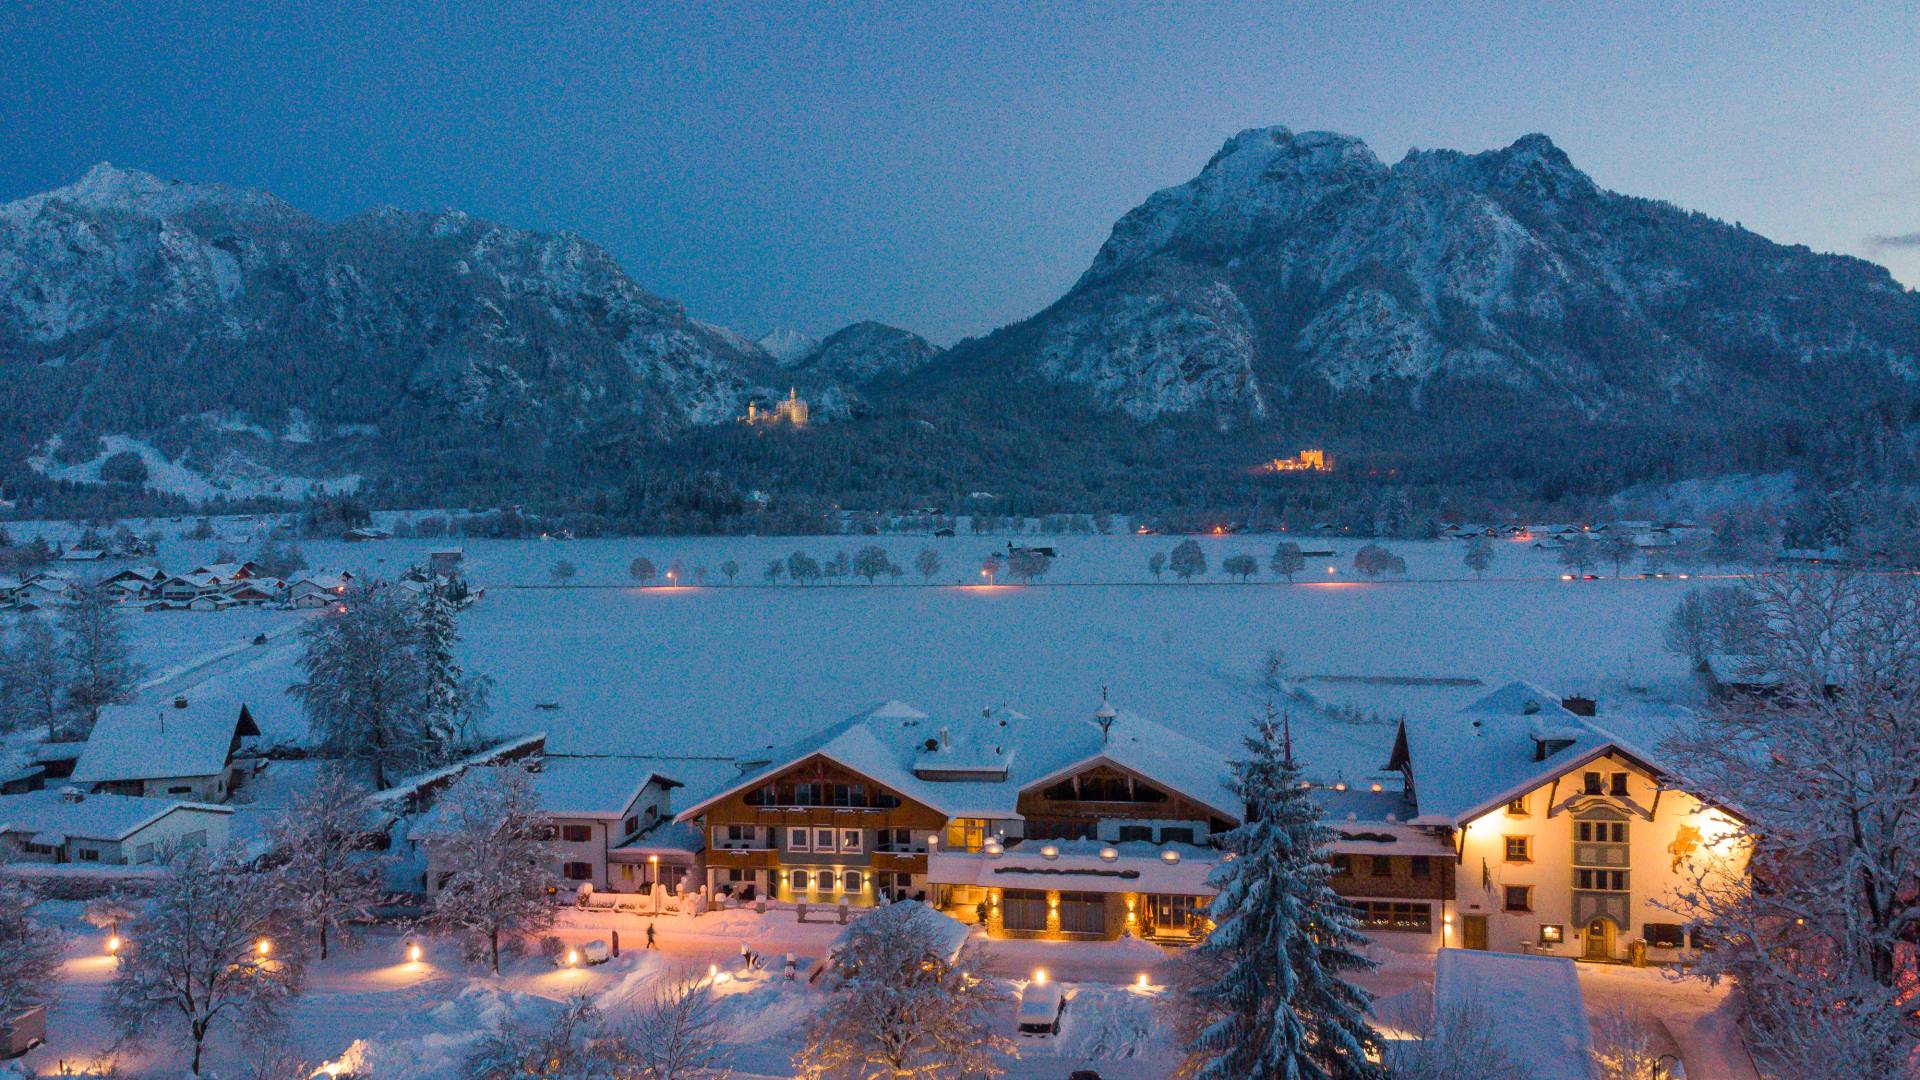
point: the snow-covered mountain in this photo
(865, 351)
(201, 318)
(788, 346)
(1298, 269)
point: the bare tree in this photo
(1027, 566)
(1579, 553)
(196, 955)
(1624, 1046)
(327, 868)
(1463, 1040)
(1619, 548)
(1715, 619)
(731, 568)
(33, 679)
(560, 1049)
(1805, 879)
(100, 663)
(674, 1033)
(366, 685)
(1287, 559)
(641, 569)
(562, 572)
(1273, 670)
(1157, 564)
(928, 563)
(490, 841)
(1478, 555)
(30, 952)
(904, 1008)
(1187, 560)
(870, 562)
(1240, 566)
(774, 569)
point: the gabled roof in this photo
(593, 787)
(1478, 758)
(901, 747)
(152, 742)
(92, 817)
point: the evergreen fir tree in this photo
(1281, 1007)
(453, 700)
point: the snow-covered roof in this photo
(1138, 866)
(591, 787)
(1501, 746)
(184, 737)
(413, 785)
(92, 817)
(952, 765)
(1555, 1042)
(667, 837)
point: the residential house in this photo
(136, 582)
(317, 588)
(228, 572)
(72, 826)
(1042, 828)
(596, 805)
(183, 749)
(1569, 839)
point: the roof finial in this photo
(1104, 716)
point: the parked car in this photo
(1041, 1004)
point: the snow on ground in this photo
(235, 476)
(717, 670)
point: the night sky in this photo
(948, 168)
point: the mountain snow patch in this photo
(234, 476)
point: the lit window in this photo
(966, 834)
(1517, 807)
(1552, 934)
(850, 841)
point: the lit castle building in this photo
(792, 411)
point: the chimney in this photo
(946, 736)
(1104, 716)
(180, 702)
(1580, 706)
(72, 794)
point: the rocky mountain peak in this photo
(107, 188)
(788, 346)
(867, 350)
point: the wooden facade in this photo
(856, 832)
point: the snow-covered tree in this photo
(100, 663)
(454, 701)
(1028, 566)
(1374, 560)
(1280, 1004)
(328, 873)
(1478, 555)
(491, 842)
(1808, 885)
(1240, 566)
(366, 686)
(30, 952)
(870, 562)
(774, 570)
(673, 1034)
(902, 1009)
(194, 959)
(1287, 559)
(1187, 560)
(1579, 553)
(928, 562)
(1619, 548)
(109, 913)
(1157, 564)
(1463, 1040)
(561, 1048)
(33, 679)
(1715, 619)
(803, 568)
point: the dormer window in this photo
(1517, 806)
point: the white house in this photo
(597, 804)
(183, 749)
(72, 826)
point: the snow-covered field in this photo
(717, 670)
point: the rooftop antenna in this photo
(1104, 716)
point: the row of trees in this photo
(57, 674)
(1188, 561)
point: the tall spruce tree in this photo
(454, 701)
(1279, 1004)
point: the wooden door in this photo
(1473, 932)
(1600, 939)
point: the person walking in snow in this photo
(649, 935)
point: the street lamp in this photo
(263, 947)
(113, 945)
(653, 883)
(414, 953)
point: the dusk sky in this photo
(945, 167)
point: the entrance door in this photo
(1173, 916)
(1473, 932)
(1600, 939)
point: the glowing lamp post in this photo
(1141, 982)
(1039, 976)
(263, 948)
(415, 953)
(573, 957)
(113, 945)
(653, 883)
(672, 579)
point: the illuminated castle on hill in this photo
(791, 411)
(1308, 461)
